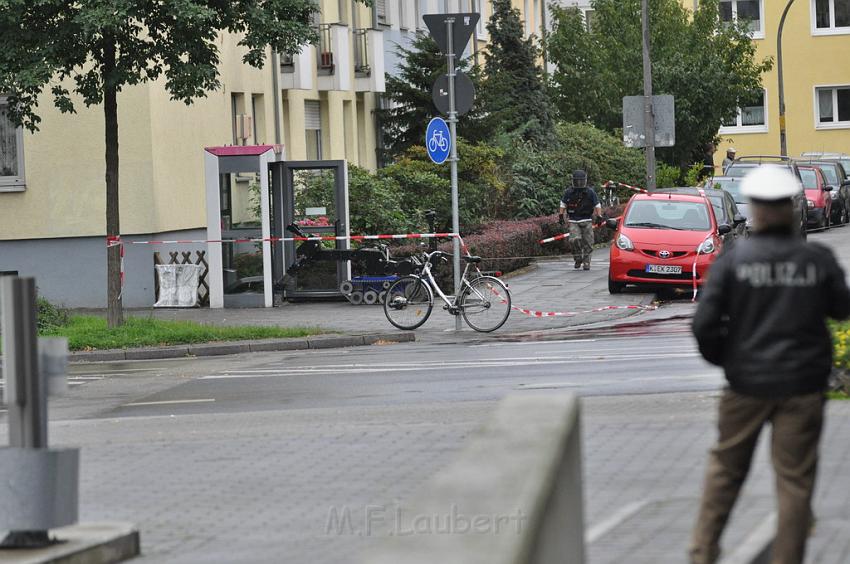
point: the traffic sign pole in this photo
(450, 58)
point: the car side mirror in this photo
(828, 188)
(612, 223)
(724, 229)
(739, 219)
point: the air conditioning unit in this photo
(244, 126)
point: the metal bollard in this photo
(40, 486)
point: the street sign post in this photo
(664, 120)
(438, 140)
(451, 33)
(464, 93)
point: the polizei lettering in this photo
(779, 274)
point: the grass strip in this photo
(87, 333)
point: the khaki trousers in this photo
(581, 241)
(797, 422)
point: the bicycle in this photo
(484, 301)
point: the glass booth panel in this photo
(241, 218)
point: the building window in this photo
(402, 14)
(833, 107)
(481, 6)
(750, 117)
(313, 129)
(748, 11)
(589, 19)
(831, 15)
(381, 12)
(11, 152)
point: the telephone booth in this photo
(253, 194)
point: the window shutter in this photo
(312, 115)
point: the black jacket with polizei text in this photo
(762, 314)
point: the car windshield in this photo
(668, 214)
(731, 186)
(810, 178)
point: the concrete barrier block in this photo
(512, 496)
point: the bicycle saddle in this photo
(472, 259)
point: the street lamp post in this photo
(783, 137)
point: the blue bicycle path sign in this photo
(438, 140)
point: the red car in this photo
(661, 238)
(818, 198)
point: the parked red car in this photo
(817, 196)
(661, 238)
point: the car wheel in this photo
(842, 220)
(615, 287)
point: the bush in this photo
(509, 245)
(482, 188)
(49, 316)
(375, 201)
(539, 177)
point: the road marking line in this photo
(167, 402)
(753, 546)
(307, 371)
(608, 524)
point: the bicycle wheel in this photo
(408, 302)
(485, 304)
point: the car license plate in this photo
(663, 269)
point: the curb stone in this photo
(240, 347)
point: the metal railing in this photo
(361, 52)
(325, 53)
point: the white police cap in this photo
(769, 183)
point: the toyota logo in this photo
(664, 254)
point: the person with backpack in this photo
(581, 206)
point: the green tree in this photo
(93, 49)
(409, 92)
(513, 92)
(707, 65)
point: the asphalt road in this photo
(238, 458)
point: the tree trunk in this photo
(115, 313)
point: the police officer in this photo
(762, 317)
(581, 205)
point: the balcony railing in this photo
(361, 53)
(325, 54)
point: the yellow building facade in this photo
(52, 187)
(816, 62)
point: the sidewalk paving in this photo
(548, 285)
(225, 488)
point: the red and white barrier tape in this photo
(115, 241)
(112, 241)
(629, 186)
(566, 235)
(534, 313)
